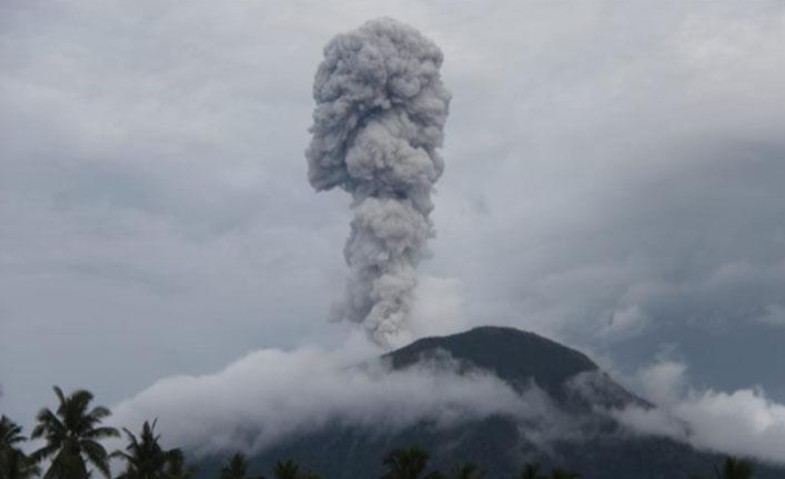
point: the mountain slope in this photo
(519, 358)
(508, 353)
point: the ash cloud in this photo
(379, 120)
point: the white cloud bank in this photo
(743, 422)
(270, 394)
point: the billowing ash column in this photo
(379, 119)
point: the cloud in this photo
(438, 307)
(271, 394)
(774, 315)
(744, 422)
(378, 124)
(629, 321)
(663, 382)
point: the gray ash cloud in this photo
(378, 123)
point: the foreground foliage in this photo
(73, 434)
(73, 449)
(732, 468)
(146, 459)
(14, 463)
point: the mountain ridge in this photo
(521, 358)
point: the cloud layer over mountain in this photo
(274, 395)
(744, 422)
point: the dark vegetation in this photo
(73, 449)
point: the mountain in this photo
(520, 358)
(580, 436)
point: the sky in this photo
(613, 181)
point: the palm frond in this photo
(102, 432)
(97, 456)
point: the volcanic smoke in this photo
(379, 119)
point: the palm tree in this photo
(177, 469)
(406, 464)
(286, 470)
(14, 463)
(10, 433)
(73, 437)
(531, 470)
(146, 459)
(236, 468)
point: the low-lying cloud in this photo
(743, 422)
(269, 395)
(272, 395)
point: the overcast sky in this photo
(614, 181)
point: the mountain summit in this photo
(521, 359)
(510, 354)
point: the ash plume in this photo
(379, 119)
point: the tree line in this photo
(72, 448)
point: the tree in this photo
(177, 469)
(236, 468)
(557, 473)
(286, 470)
(73, 436)
(531, 470)
(466, 471)
(14, 463)
(10, 433)
(407, 464)
(145, 458)
(733, 468)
